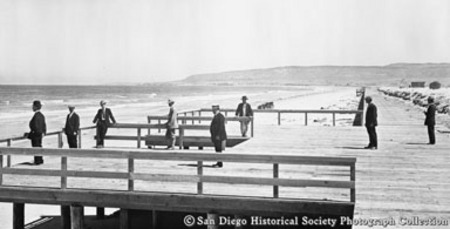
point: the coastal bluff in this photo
(388, 75)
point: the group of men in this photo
(38, 127)
(217, 126)
(105, 118)
(371, 122)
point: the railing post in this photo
(159, 123)
(306, 118)
(192, 117)
(1, 169)
(200, 115)
(60, 139)
(334, 119)
(154, 219)
(149, 122)
(63, 164)
(181, 138)
(65, 216)
(76, 217)
(275, 176)
(8, 157)
(79, 138)
(124, 220)
(64, 172)
(279, 118)
(252, 120)
(100, 212)
(200, 174)
(352, 178)
(130, 173)
(18, 215)
(139, 138)
(213, 217)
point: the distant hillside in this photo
(390, 75)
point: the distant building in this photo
(418, 84)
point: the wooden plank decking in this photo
(404, 177)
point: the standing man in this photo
(218, 133)
(171, 125)
(38, 129)
(244, 110)
(103, 119)
(430, 120)
(371, 123)
(72, 127)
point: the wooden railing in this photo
(199, 179)
(59, 134)
(184, 120)
(142, 126)
(286, 111)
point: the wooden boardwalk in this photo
(404, 177)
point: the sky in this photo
(138, 41)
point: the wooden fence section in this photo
(198, 179)
(58, 134)
(287, 111)
(177, 203)
(183, 140)
(184, 119)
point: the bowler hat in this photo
(244, 97)
(37, 104)
(102, 102)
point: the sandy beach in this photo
(304, 98)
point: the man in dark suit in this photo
(371, 123)
(103, 118)
(430, 120)
(72, 127)
(244, 110)
(38, 129)
(218, 133)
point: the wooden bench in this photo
(192, 141)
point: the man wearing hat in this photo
(371, 123)
(430, 120)
(244, 110)
(38, 129)
(72, 127)
(171, 125)
(218, 133)
(103, 118)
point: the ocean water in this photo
(16, 101)
(17, 98)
